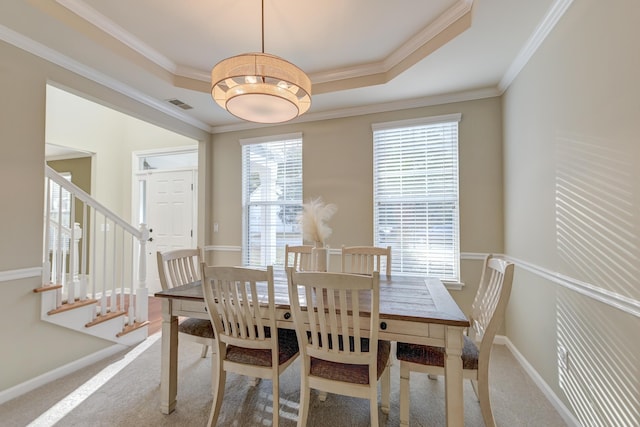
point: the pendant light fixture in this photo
(261, 88)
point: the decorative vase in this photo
(319, 257)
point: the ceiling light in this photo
(261, 88)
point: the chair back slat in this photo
(366, 259)
(489, 305)
(241, 306)
(335, 306)
(236, 295)
(298, 257)
(178, 267)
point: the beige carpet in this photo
(131, 398)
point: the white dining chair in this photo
(487, 315)
(180, 267)
(249, 342)
(337, 328)
(298, 257)
(366, 259)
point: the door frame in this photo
(138, 176)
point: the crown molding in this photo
(442, 22)
(405, 104)
(48, 54)
(555, 12)
(447, 18)
(91, 15)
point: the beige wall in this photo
(32, 347)
(570, 124)
(79, 123)
(572, 192)
(338, 166)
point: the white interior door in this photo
(170, 208)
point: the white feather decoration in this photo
(313, 220)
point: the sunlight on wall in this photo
(596, 215)
(598, 362)
(598, 242)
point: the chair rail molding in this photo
(628, 305)
(22, 273)
(223, 248)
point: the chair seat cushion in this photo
(434, 356)
(355, 374)
(197, 327)
(287, 344)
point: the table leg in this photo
(453, 377)
(169, 365)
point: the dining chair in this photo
(249, 342)
(176, 268)
(487, 315)
(337, 327)
(298, 257)
(366, 259)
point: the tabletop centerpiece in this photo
(313, 222)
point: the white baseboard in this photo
(69, 368)
(562, 409)
(32, 384)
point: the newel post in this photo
(142, 293)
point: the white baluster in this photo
(46, 270)
(94, 247)
(105, 229)
(58, 297)
(71, 294)
(75, 259)
(114, 294)
(103, 303)
(59, 238)
(142, 293)
(122, 281)
(83, 282)
(82, 291)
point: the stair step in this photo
(46, 288)
(103, 318)
(71, 306)
(130, 328)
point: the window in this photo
(272, 197)
(59, 213)
(415, 191)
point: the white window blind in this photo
(272, 197)
(416, 195)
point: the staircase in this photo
(88, 272)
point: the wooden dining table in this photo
(416, 310)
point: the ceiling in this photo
(361, 55)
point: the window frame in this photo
(293, 237)
(400, 134)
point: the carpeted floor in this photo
(131, 397)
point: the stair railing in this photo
(100, 263)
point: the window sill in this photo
(451, 286)
(454, 286)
